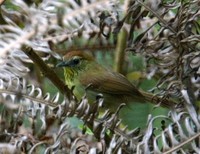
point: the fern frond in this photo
(29, 100)
(179, 135)
(169, 44)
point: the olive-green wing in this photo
(108, 82)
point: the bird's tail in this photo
(164, 102)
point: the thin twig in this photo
(159, 18)
(107, 47)
(182, 144)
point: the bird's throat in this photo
(70, 75)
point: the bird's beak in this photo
(62, 64)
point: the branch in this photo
(158, 16)
(49, 73)
(121, 46)
(182, 144)
(2, 1)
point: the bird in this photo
(82, 72)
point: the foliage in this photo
(35, 35)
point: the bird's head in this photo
(75, 62)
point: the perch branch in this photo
(49, 73)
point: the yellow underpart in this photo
(69, 76)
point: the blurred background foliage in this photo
(154, 43)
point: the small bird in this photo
(82, 71)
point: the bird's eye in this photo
(76, 61)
